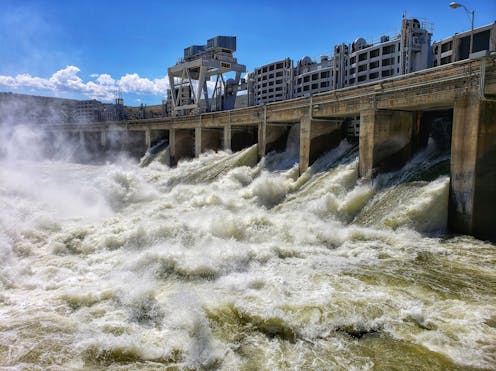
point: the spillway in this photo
(227, 263)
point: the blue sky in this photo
(84, 48)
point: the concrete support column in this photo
(103, 139)
(227, 137)
(82, 139)
(473, 168)
(125, 139)
(261, 139)
(317, 137)
(198, 141)
(305, 140)
(148, 137)
(172, 146)
(385, 140)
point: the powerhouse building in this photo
(457, 47)
(273, 82)
(357, 63)
(407, 52)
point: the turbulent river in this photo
(226, 263)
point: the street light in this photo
(454, 5)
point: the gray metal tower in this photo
(188, 78)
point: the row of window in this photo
(270, 76)
(271, 90)
(363, 67)
(314, 77)
(272, 67)
(316, 86)
(269, 83)
(388, 49)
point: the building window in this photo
(279, 66)
(374, 53)
(374, 65)
(446, 60)
(362, 78)
(387, 61)
(362, 57)
(315, 76)
(362, 68)
(324, 74)
(306, 79)
(374, 75)
(315, 86)
(352, 80)
(352, 60)
(446, 46)
(324, 84)
(388, 49)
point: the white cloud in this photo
(101, 86)
(105, 79)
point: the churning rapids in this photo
(226, 263)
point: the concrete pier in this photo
(82, 140)
(148, 137)
(317, 136)
(226, 143)
(473, 167)
(385, 140)
(272, 137)
(103, 139)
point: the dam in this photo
(395, 117)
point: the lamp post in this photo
(471, 15)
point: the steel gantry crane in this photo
(188, 78)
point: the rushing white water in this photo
(223, 263)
